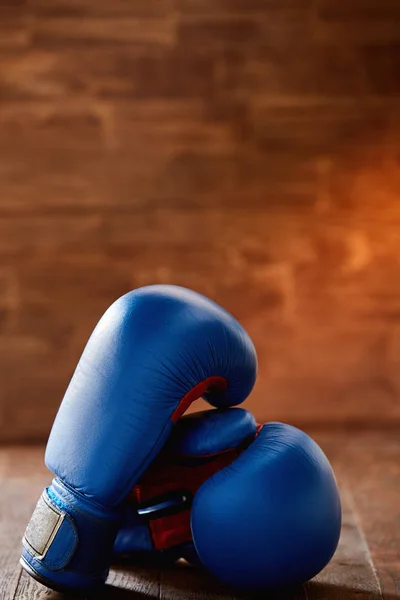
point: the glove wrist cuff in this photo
(69, 540)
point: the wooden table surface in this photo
(366, 565)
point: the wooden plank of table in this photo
(372, 467)
(123, 584)
(29, 589)
(140, 581)
(22, 478)
(10, 536)
(350, 575)
(181, 582)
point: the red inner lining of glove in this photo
(169, 473)
(219, 384)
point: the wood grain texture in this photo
(248, 149)
(22, 478)
(352, 558)
(366, 565)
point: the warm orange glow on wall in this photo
(249, 151)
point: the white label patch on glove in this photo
(42, 528)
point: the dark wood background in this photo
(248, 149)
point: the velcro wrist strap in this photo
(51, 535)
(69, 539)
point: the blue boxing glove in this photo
(154, 352)
(273, 517)
(264, 505)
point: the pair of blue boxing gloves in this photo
(257, 505)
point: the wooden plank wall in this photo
(248, 149)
